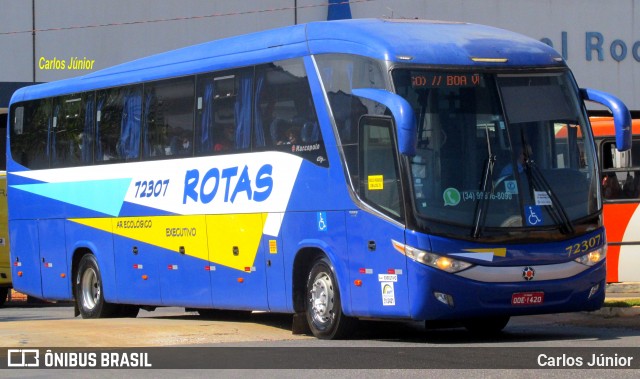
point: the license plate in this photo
(527, 298)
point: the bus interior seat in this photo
(277, 130)
(310, 132)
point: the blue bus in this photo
(379, 169)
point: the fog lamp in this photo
(593, 290)
(444, 298)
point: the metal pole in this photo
(33, 37)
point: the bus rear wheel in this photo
(89, 292)
(323, 307)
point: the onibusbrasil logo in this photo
(451, 197)
(74, 359)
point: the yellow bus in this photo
(5, 268)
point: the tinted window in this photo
(168, 118)
(118, 124)
(223, 112)
(286, 117)
(29, 129)
(71, 135)
(380, 181)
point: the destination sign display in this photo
(441, 79)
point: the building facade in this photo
(44, 40)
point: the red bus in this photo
(620, 178)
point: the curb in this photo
(611, 312)
(627, 288)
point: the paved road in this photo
(261, 338)
(46, 325)
(24, 325)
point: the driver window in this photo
(380, 183)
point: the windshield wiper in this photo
(557, 211)
(480, 213)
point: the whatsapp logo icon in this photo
(451, 197)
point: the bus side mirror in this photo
(402, 113)
(621, 115)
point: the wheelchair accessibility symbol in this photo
(322, 221)
(533, 215)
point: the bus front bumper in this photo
(452, 297)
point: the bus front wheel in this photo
(323, 307)
(88, 290)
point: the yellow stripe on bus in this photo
(233, 239)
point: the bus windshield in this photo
(499, 150)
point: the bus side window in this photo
(71, 134)
(380, 180)
(118, 124)
(168, 118)
(223, 112)
(285, 118)
(29, 127)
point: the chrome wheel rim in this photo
(90, 288)
(322, 299)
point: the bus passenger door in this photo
(237, 261)
(373, 260)
(381, 268)
(53, 260)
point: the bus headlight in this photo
(440, 262)
(593, 257)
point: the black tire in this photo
(486, 326)
(322, 305)
(89, 292)
(4, 292)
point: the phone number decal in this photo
(479, 195)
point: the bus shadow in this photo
(517, 332)
(525, 329)
(35, 303)
(275, 320)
